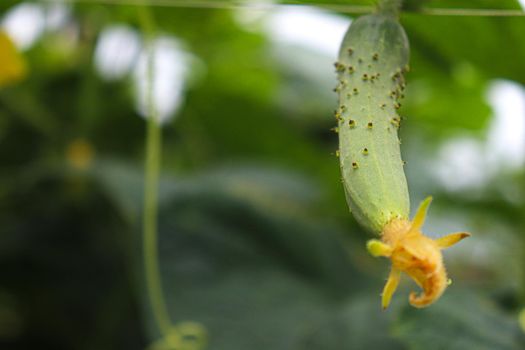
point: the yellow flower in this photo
(80, 154)
(13, 67)
(416, 255)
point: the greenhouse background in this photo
(257, 248)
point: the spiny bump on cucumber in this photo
(396, 122)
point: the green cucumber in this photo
(373, 57)
(372, 60)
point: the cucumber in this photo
(372, 60)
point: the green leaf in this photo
(459, 321)
(255, 278)
(359, 324)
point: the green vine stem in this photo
(390, 7)
(152, 167)
(185, 335)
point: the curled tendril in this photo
(416, 255)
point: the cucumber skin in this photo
(373, 57)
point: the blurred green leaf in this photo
(461, 321)
(253, 279)
(358, 324)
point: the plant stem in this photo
(152, 167)
(389, 7)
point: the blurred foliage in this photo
(256, 241)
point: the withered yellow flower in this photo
(415, 254)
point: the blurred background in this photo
(256, 242)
